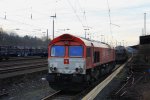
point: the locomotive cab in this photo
(66, 61)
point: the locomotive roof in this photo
(87, 42)
(95, 43)
(119, 47)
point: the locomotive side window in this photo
(88, 52)
(58, 51)
(96, 56)
(75, 51)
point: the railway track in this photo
(129, 84)
(86, 94)
(61, 95)
(69, 95)
(12, 59)
(19, 63)
(49, 97)
(20, 67)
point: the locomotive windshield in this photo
(58, 51)
(75, 51)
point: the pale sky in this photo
(127, 18)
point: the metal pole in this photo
(53, 27)
(101, 38)
(85, 33)
(122, 42)
(104, 39)
(47, 40)
(53, 24)
(5, 16)
(47, 37)
(142, 32)
(116, 42)
(145, 23)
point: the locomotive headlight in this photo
(51, 68)
(77, 69)
(81, 70)
(55, 68)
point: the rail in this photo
(23, 67)
(51, 95)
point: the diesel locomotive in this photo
(77, 62)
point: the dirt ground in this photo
(27, 87)
(137, 87)
(134, 86)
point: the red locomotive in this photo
(74, 60)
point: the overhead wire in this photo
(87, 26)
(19, 22)
(74, 10)
(11, 20)
(110, 23)
(109, 17)
(84, 13)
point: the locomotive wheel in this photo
(89, 79)
(94, 75)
